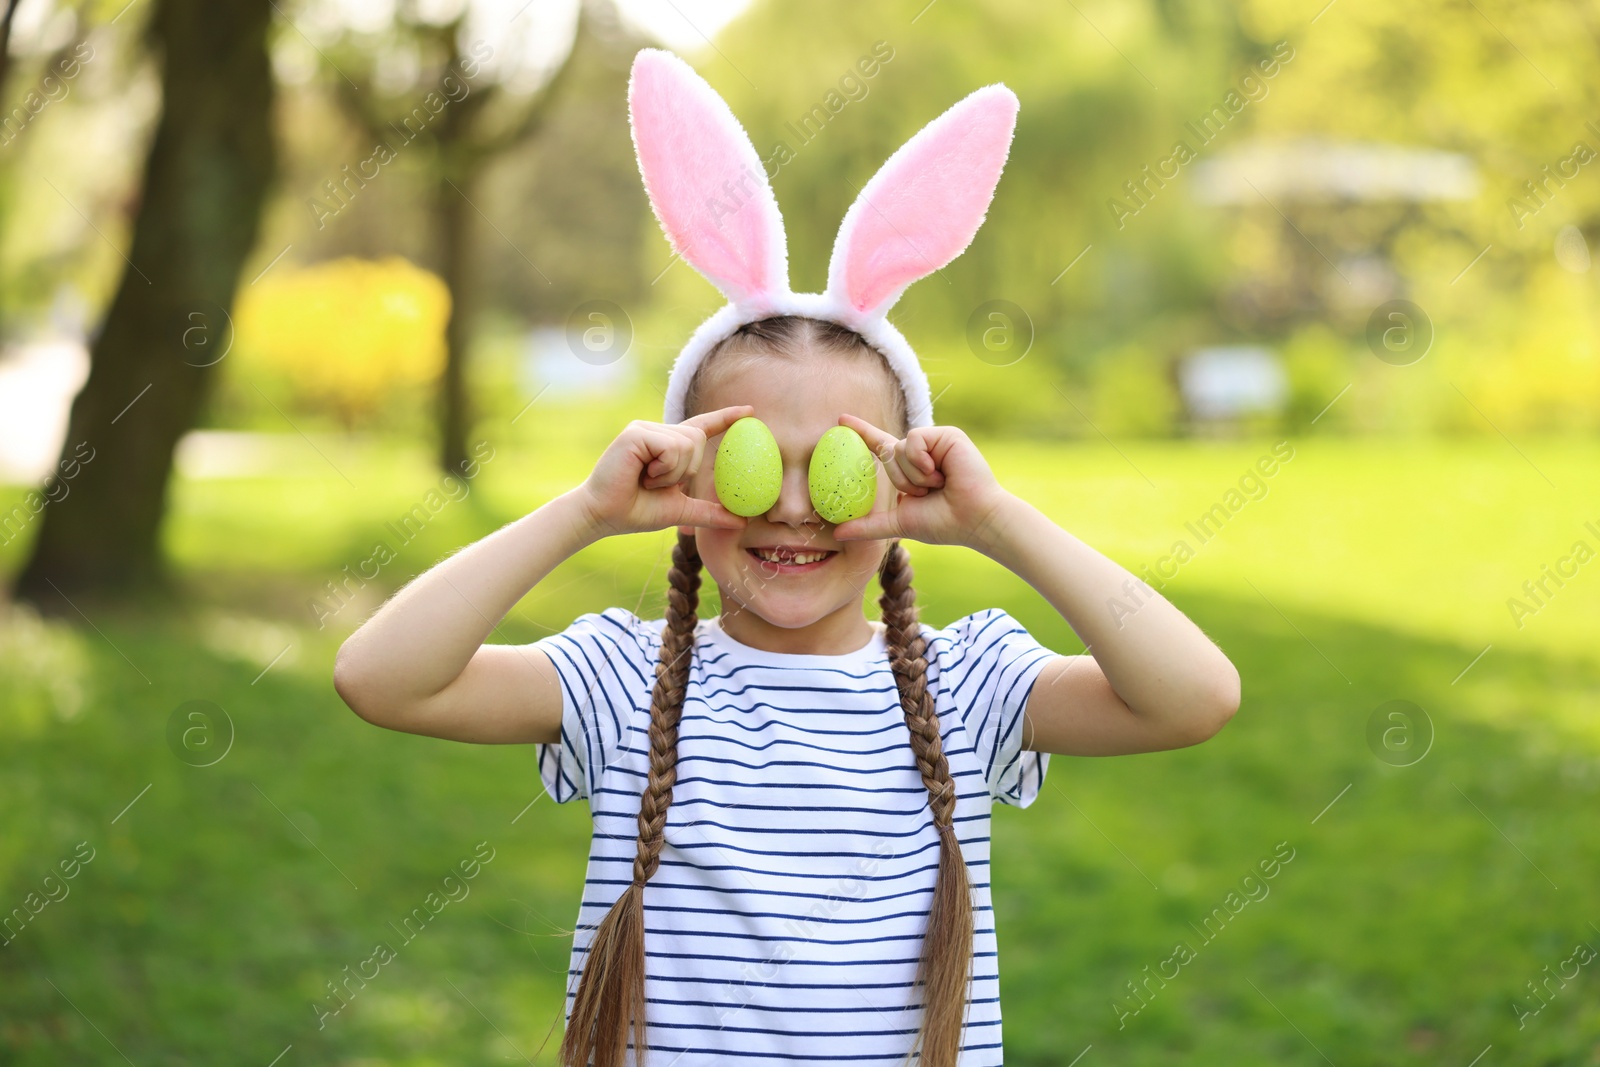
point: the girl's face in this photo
(816, 608)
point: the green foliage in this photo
(1004, 398)
(1318, 365)
(1132, 392)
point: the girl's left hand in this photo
(947, 493)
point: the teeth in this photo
(796, 557)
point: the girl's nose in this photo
(794, 507)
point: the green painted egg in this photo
(749, 470)
(844, 475)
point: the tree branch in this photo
(544, 101)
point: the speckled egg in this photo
(844, 475)
(749, 470)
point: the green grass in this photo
(1419, 901)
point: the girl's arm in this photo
(420, 665)
(1148, 681)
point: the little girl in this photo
(791, 803)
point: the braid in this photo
(947, 945)
(610, 999)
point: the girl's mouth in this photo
(775, 561)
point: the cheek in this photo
(716, 544)
(862, 559)
(886, 491)
(703, 484)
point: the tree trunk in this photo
(453, 212)
(210, 164)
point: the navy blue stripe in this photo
(801, 961)
(667, 861)
(805, 729)
(803, 785)
(804, 1040)
(656, 883)
(700, 979)
(750, 1006)
(705, 693)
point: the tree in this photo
(467, 134)
(207, 174)
(6, 18)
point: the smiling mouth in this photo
(789, 560)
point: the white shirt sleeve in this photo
(988, 667)
(606, 663)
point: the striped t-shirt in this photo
(786, 919)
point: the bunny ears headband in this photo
(709, 191)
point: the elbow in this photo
(1222, 701)
(1213, 701)
(369, 690)
(349, 683)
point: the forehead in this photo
(801, 398)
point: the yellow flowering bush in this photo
(345, 335)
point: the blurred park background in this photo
(298, 297)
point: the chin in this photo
(789, 602)
(786, 612)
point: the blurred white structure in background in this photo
(1226, 381)
(1308, 169)
(549, 363)
(38, 380)
(528, 38)
(1276, 176)
(42, 368)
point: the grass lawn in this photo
(1416, 905)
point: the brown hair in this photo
(790, 338)
(610, 1001)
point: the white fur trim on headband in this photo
(879, 333)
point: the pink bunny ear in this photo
(706, 184)
(924, 205)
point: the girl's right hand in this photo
(636, 485)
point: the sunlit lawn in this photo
(1419, 902)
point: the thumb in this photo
(873, 526)
(700, 512)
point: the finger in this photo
(663, 450)
(697, 445)
(873, 526)
(927, 445)
(697, 511)
(685, 461)
(667, 475)
(895, 468)
(913, 457)
(712, 423)
(924, 438)
(881, 442)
